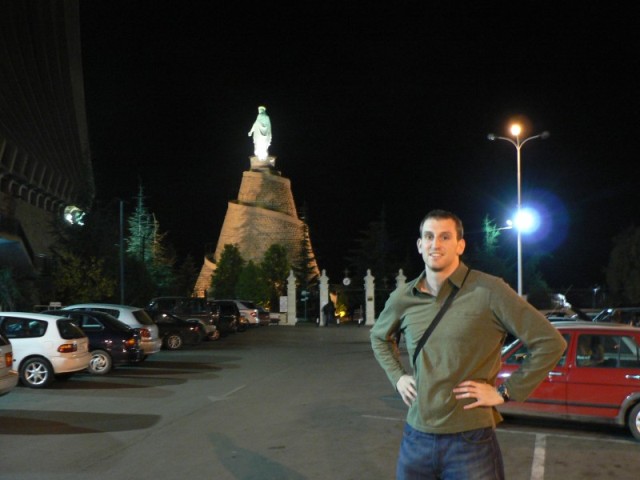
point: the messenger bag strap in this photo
(436, 320)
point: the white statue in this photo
(261, 132)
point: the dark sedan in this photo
(111, 341)
(177, 332)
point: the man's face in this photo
(439, 245)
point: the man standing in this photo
(449, 431)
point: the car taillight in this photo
(8, 359)
(145, 333)
(68, 348)
(131, 342)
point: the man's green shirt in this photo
(466, 345)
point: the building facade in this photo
(45, 161)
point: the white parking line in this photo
(539, 452)
(570, 436)
(225, 395)
(377, 417)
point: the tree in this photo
(305, 268)
(84, 258)
(275, 270)
(79, 279)
(9, 293)
(623, 270)
(487, 256)
(227, 273)
(252, 285)
(490, 258)
(375, 251)
(186, 276)
(146, 244)
(141, 231)
(162, 260)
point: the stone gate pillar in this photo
(370, 296)
(291, 299)
(324, 296)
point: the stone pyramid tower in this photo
(263, 214)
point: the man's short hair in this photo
(444, 214)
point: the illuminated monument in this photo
(263, 214)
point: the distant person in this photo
(261, 131)
(449, 431)
(329, 313)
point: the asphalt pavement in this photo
(277, 402)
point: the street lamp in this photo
(516, 129)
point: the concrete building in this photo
(45, 163)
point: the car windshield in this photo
(68, 329)
(143, 317)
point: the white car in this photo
(8, 377)
(248, 310)
(134, 317)
(44, 347)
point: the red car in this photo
(596, 380)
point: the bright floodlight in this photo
(527, 220)
(73, 215)
(516, 129)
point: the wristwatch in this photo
(504, 392)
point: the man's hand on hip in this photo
(406, 387)
(485, 394)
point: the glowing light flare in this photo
(516, 129)
(527, 220)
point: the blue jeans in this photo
(471, 455)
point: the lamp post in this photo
(516, 129)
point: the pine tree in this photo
(623, 269)
(227, 273)
(146, 244)
(375, 251)
(9, 293)
(305, 268)
(252, 285)
(141, 231)
(275, 270)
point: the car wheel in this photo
(634, 421)
(173, 341)
(100, 363)
(36, 373)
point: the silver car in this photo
(44, 347)
(8, 377)
(134, 317)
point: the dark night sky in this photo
(372, 107)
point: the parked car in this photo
(134, 317)
(264, 317)
(188, 308)
(44, 347)
(625, 315)
(249, 311)
(596, 380)
(111, 342)
(176, 332)
(8, 377)
(227, 315)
